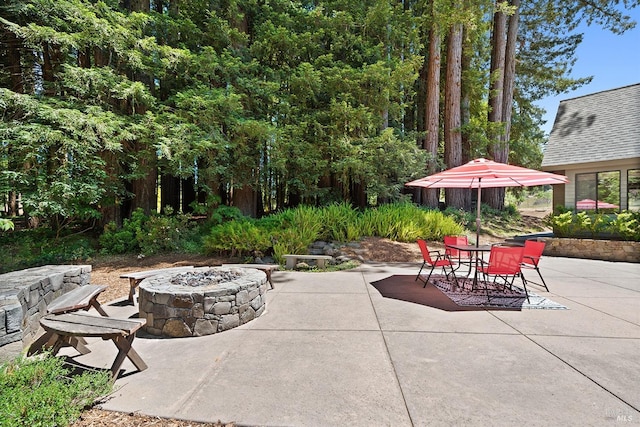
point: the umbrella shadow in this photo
(406, 288)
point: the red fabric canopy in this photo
(488, 174)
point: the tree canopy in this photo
(108, 106)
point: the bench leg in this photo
(45, 341)
(126, 350)
(53, 341)
(95, 304)
(268, 273)
(291, 263)
(132, 292)
(79, 343)
(320, 262)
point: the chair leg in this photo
(452, 274)
(543, 282)
(428, 277)
(524, 283)
(421, 267)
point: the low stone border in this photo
(25, 294)
(606, 250)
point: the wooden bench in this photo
(292, 260)
(267, 268)
(138, 276)
(67, 328)
(81, 298)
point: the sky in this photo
(613, 61)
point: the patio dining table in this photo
(476, 253)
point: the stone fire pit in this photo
(203, 301)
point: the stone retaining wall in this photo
(607, 250)
(24, 296)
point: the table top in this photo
(471, 248)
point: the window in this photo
(598, 191)
(633, 189)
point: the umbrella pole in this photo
(478, 214)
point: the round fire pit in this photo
(202, 301)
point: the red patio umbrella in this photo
(588, 204)
(483, 173)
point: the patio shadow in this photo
(406, 288)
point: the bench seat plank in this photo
(90, 326)
(66, 328)
(135, 277)
(267, 268)
(139, 275)
(81, 298)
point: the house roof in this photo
(597, 127)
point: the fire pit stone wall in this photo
(175, 306)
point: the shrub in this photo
(34, 247)
(290, 241)
(340, 222)
(40, 392)
(406, 222)
(148, 234)
(239, 237)
(122, 240)
(162, 233)
(624, 225)
(6, 224)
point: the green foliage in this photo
(163, 233)
(624, 225)
(339, 223)
(406, 222)
(310, 103)
(148, 234)
(34, 247)
(239, 237)
(40, 392)
(122, 240)
(288, 241)
(6, 224)
(294, 230)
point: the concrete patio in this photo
(331, 350)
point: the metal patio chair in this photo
(440, 260)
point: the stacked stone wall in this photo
(607, 250)
(176, 313)
(25, 294)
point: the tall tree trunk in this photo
(14, 67)
(246, 199)
(452, 134)
(13, 46)
(432, 113)
(501, 149)
(48, 69)
(494, 197)
(144, 189)
(189, 194)
(509, 80)
(169, 192)
(465, 113)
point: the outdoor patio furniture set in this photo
(505, 263)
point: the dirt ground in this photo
(107, 271)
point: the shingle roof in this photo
(597, 127)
